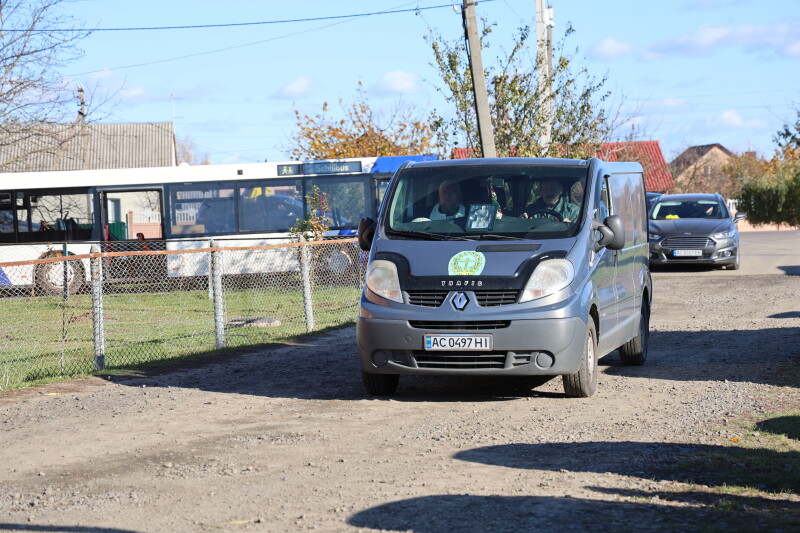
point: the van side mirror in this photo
(612, 233)
(366, 232)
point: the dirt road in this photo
(284, 439)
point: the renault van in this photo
(505, 267)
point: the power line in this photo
(239, 24)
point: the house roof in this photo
(658, 177)
(692, 154)
(88, 146)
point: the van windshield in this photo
(502, 202)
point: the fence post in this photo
(65, 266)
(219, 302)
(305, 272)
(96, 267)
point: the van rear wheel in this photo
(634, 352)
(583, 383)
(380, 384)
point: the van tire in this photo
(583, 383)
(634, 352)
(380, 384)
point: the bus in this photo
(47, 214)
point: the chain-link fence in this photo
(80, 308)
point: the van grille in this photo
(463, 326)
(493, 298)
(687, 243)
(485, 298)
(460, 360)
(427, 298)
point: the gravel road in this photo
(283, 438)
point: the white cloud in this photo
(732, 118)
(298, 88)
(610, 48)
(780, 37)
(397, 82)
(673, 102)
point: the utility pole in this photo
(544, 49)
(485, 132)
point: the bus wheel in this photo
(50, 278)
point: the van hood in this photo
(490, 265)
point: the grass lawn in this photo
(45, 337)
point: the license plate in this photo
(475, 343)
(687, 253)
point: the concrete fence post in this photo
(305, 273)
(219, 297)
(96, 267)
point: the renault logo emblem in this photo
(460, 301)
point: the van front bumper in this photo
(545, 347)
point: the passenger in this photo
(551, 189)
(576, 193)
(449, 205)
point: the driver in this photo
(449, 205)
(551, 199)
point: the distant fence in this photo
(111, 309)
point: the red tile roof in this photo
(657, 175)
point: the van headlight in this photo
(382, 279)
(549, 277)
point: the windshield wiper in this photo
(427, 236)
(498, 237)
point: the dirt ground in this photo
(284, 438)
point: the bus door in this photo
(133, 221)
(129, 215)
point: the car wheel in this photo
(380, 384)
(735, 265)
(583, 383)
(634, 352)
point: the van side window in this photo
(601, 209)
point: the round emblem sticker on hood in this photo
(466, 264)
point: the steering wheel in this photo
(549, 213)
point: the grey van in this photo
(517, 266)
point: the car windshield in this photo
(502, 202)
(676, 209)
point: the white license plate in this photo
(477, 343)
(687, 253)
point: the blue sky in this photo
(686, 71)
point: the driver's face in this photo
(550, 190)
(449, 197)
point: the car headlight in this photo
(382, 279)
(654, 236)
(548, 278)
(725, 234)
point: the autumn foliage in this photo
(361, 132)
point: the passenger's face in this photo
(577, 192)
(551, 190)
(449, 198)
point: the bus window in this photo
(202, 208)
(129, 214)
(347, 199)
(273, 205)
(66, 215)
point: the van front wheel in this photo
(380, 384)
(583, 383)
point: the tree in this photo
(579, 122)
(186, 151)
(36, 41)
(771, 194)
(363, 132)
